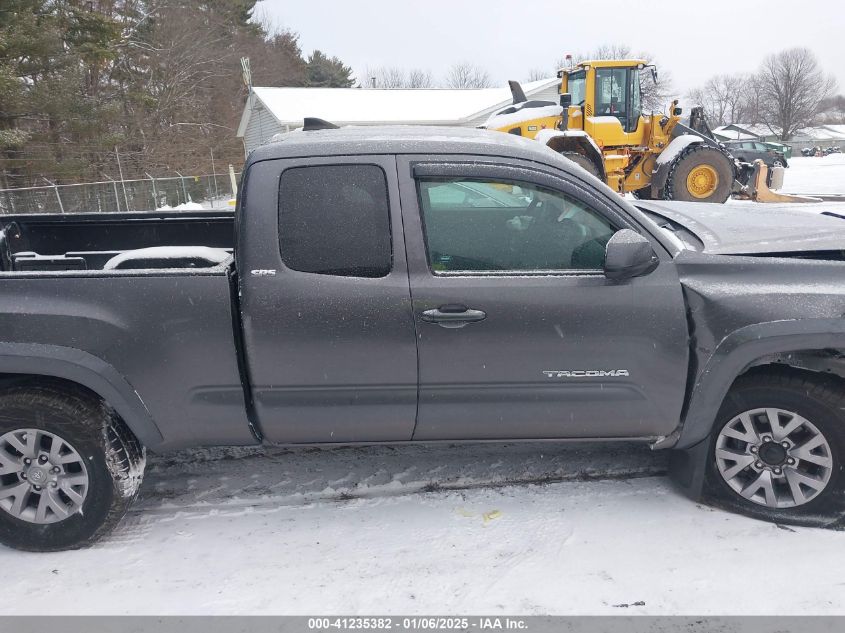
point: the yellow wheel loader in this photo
(600, 124)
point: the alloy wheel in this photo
(774, 458)
(43, 479)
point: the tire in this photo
(583, 162)
(96, 462)
(791, 396)
(717, 175)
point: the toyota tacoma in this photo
(414, 285)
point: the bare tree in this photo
(386, 77)
(465, 75)
(724, 98)
(752, 101)
(537, 74)
(793, 88)
(419, 78)
(393, 77)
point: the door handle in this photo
(453, 316)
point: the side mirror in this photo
(565, 100)
(628, 254)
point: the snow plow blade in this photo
(760, 192)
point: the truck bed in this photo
(163, 327)
(89, 241)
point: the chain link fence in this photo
(211, 191)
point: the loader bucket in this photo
(760, 192)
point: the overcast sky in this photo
(510, 38)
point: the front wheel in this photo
(69, 468)
(700, 174)
(777, 449)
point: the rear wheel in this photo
(777, 450)
(700, 174)
(583, 162)
(69, 468)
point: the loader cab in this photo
(606, 96)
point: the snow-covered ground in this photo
(822, 175)
(516, 529)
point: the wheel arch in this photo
(570, 141)
(673, 151)
(38, 362)
(817, 345)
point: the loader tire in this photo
(69, 467)
(643, 194)
(700, 174)
(583, 162)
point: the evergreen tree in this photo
(161, 80)
(324, 72)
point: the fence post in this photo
(214, 177)
(155, 193)
(114, 186)
(184, 189)
(233, 182)
(122, 181)
(58, 195)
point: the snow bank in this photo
(493, 529)
(185, 206)
(819, 175)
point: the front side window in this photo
(335, 220)
(577, 87)
(636, 100)
(477, 225)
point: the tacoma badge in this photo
(586, 373)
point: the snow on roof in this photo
(396, 106)
(755, 130)
(836, 128)
(731, 134)
(823, 133)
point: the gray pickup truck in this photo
(418, 285)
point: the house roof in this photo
(836, 128)
(355, 106)
(822, 133)
(729, 132)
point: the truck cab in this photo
(606, 101)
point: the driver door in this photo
(519, 333)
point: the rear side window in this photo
(335, 220)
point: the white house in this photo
(819, 136)
(269, 111)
